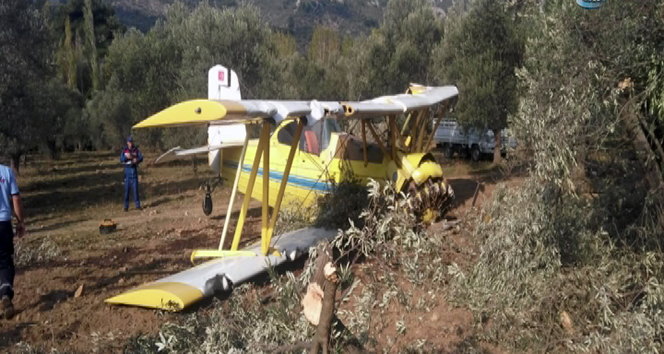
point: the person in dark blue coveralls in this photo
(131, 157)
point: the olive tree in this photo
(25, 48)
(480, 53)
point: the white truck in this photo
(451, 138)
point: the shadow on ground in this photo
(464, 189)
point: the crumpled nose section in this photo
(427, 170)
(446, 187)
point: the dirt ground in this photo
(65, 201)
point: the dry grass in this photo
(28, 253)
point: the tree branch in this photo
(291, 347)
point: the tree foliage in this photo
(85, 29)
(170, 63)
(24, 70)
(127, 76)
(584, 231)
(480, 53)
(324, 45)
(91, 42)
(399, 52)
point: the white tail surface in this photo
(223, 84)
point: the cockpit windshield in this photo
(330, 126)
(314, 139)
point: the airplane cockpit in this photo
(314, 139)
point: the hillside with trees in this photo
(296, 17)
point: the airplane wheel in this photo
(449, 152)
(209, 186)
(430, 200)
(475, 153)
(207, 204)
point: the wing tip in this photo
(171, 296)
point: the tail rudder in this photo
(223, 84)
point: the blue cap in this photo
(130, 139)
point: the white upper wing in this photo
(214, 112)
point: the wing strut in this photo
(423, 129)
(264, 140)
(268, 223)
(364, 142)
(284, 181)
(412, 132)
(265, 217)
(234, 192)
(376, 138)
(405, 124)
(435, 127)
(393, 139)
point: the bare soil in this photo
(66, 200)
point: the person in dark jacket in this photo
(131, 157)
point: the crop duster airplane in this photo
(300, 154)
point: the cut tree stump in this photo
(312, 303)
(322, 336)
(319, 305)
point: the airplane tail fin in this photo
(223, 84)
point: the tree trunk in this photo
(498, 147)
(644, 151)
(322, 336)
(321, 312)
(52, 149)
(653, 140)
(16, 163)
(324, 253)
(193, 164)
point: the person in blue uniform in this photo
(131, 157)
(10, 203)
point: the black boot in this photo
(7, 308)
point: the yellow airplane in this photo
(300, 153)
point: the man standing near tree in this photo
(10, 200)
(131, 157)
